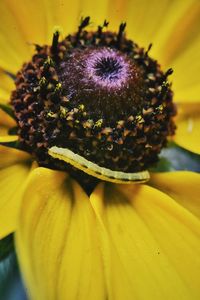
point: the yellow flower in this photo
(120, 242)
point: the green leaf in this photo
(175, 158)
(11, 287)
(6, 247)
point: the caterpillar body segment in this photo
(93, 169)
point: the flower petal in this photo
(151, 245)
(6, 86)
(14, 49)
(12, 181)
(3, 131)
(145, 26)
(10, 156)
(97, 10)
(184, 31)
(182, 186)
(35, 19)
(8, 138)
(56, 240)
(29, 22)
(174, 32)
(6, 120)
(186, 48)
(188, 126)
(66, 15)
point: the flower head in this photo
(97, 94)
(89, 108)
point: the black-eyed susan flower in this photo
(88, 113)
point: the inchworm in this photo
(93, 169)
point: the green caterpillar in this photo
(93, 169)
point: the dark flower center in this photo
(107, 67)
(103, 80)
(97, 94)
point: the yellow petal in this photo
(182, 186)
(174, 32)
(56, 240)
(5, 137)
(118, 12)
(66, 15)
(97, 10)
(6, 120)
(27, 22)
(34, 19)
(188, 126)
(8, 138)
(186, 94)
(14, 49)
(10, 156)
(3, 131)
(6, 86)
(150, 245)
(185, 55)
(153, 22)
(183, 31)
(12, 181)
